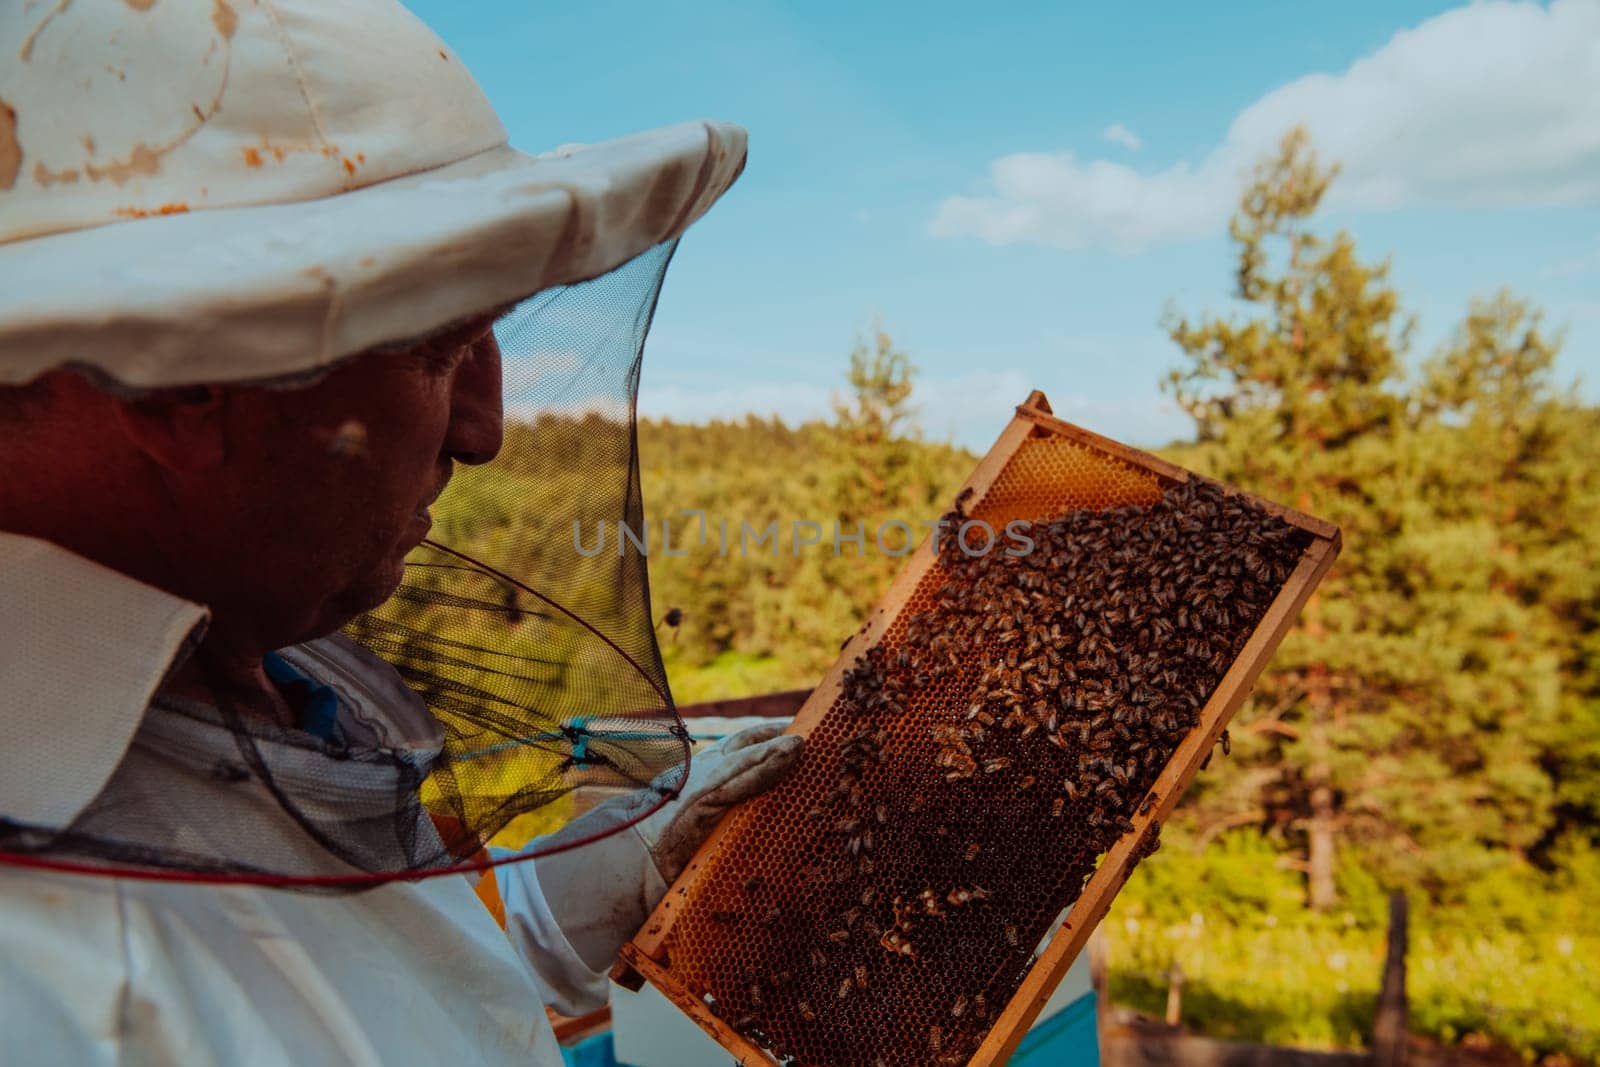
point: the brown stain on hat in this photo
(10, 147)
(140, 5)
(224, 18)
(44, 177)
(665, 197)
(143, 160)
(146, 212)
(26, 52)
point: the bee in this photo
(935, 1038)
(838, 937)
(818, 957)
(998, 763)
(861, 976)
(1026, 783)
(844, 988)
(754, 885)
(745, 1024)
(868, 895)
(972, 851)
(805, 1012)
(1147, 803)
(1227, 745)
(772, 917)
(881, 813)
(1055, 807)
(1011, 935)
(959, 1008)
(1073, 792)
(725, 917)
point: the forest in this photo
(1431, 725)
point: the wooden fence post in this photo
(1389, 1026)
(1175, 994)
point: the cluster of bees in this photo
(983, 756)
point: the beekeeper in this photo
(252, 254)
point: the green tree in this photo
(1275, 396)
(876, 429)
(1419, 713)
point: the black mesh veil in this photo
(525, 621)
(519, 661)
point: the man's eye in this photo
(444, 360)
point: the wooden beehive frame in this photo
(640, 957)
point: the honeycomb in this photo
(882, 905)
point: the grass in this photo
(1257, 966)
(730, 676)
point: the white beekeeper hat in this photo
(242, 190)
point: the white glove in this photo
(602, 892)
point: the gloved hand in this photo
(602, 892)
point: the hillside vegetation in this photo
(1431, 725)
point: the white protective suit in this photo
(102, 970)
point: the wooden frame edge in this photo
(746, 1051)
(1095, 900)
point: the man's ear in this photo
(181, 429)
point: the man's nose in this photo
(477, 419)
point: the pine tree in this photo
(1275, 397)
(1422, 717)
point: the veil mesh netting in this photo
(536, 664)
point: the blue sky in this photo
(1019, 196)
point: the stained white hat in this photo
(234, 190)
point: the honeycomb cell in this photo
(881, 906)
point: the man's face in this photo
(328, 487)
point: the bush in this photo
(1516, 959)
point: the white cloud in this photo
(1117, 133)
(969, 409)
(1490, 104)
(793, 402)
